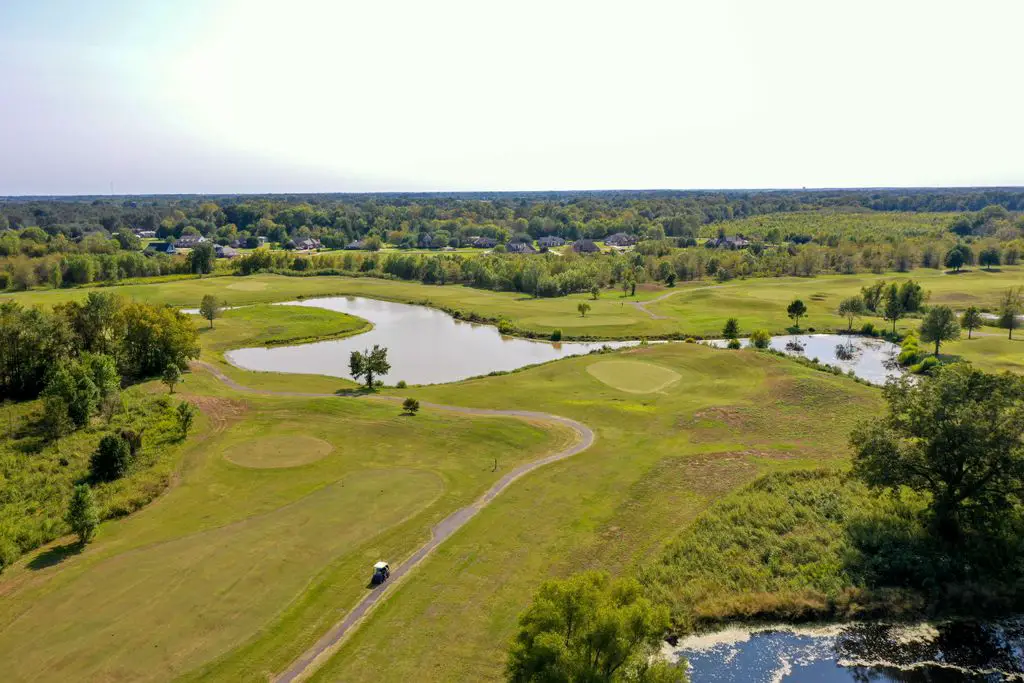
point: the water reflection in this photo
(425, 345)
(940, 653)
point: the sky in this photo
(239, 96)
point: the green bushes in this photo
(111, 459)
(910, 351)
(556, 335)
(761, 339)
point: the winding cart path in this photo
(329, 642)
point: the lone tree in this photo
(893, 306)
(939, 325)
(1010, 308)
(990, 256)
(210, 308)
(971, 320)
(410, 406)
(595, 292)
(171, 376)
(731, 329)
(583, 307)
(369, 364)
(591, 628)
(958, 256)
(82, 517)
(796, 310)
(851, 308)
(186, 415)
(957, 436)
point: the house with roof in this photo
(549, 241)
(520, 248)
(188, 241)
(308, 244)
(483, 242)
(354, 245)
(734, 242)
(585, 247)
(225, 251)
(620, 239)
(161, 248)
(145, 234)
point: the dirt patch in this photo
(734, 417)
(220, 411)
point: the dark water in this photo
(872, 360)
(425, 345)
(926, 653)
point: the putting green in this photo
(633, 376)
(278, 451)
(246, 286)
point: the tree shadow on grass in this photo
(55, 555)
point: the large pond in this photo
(939, 653)
(870, 359)
(425, 345)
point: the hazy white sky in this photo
(318, 95)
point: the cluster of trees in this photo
(80, 349)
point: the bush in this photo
(910, 352)
(401, 384)
(9, 552)
(410, 406)
(735, 344)
(111, 459)
(556, 335)
(505, 327)
(926, 366)
(868, 329)
(691, 340)
(760, 339)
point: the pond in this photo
(425, 345)
(933, 653)
(870, 359)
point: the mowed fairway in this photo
(251, 533)
(660, 459)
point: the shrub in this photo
(760, 339)
(111, 459)
(505, 327)
(9, 552)
(735, 344)
(926, 366)
(691, 340)
(556, 335)
(410, 406)
(910, 352)
(401, 384)
(868, 329)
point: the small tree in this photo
(1010, 308)
(55, 420)
(939, 325)
(893, 306)
(958, 256)
(796, 310)
(583, 307)
(595, 292)
(760, 339)
(851, 308)
(731, 329)
(989, 256)
(186, 414)
(111, 459)
(171, 376)
(370, 363)
(410, 406)
(83, 517)
(210, 308)
(971, 320)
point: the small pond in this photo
(425, 345)
(933, 653)
(871, 359)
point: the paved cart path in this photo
(316, 655)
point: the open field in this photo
(659, 460)
(236, 543)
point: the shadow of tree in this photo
(54, 556)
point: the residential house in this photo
(549, 241)
(483, 242)
(161, 248)
(188, 241)
(145, 234)
(354, 245)
(734, 242)
(520, 248)
(620, 239)
(308, 244)
(585, 247)
(225, 252)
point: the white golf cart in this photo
(381, 573)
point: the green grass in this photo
(231, 550)
(633, 376)
(660, 459)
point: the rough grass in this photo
(279, 451)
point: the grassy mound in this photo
(635, 377)
(278, 451)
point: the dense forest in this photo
(74, 241)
